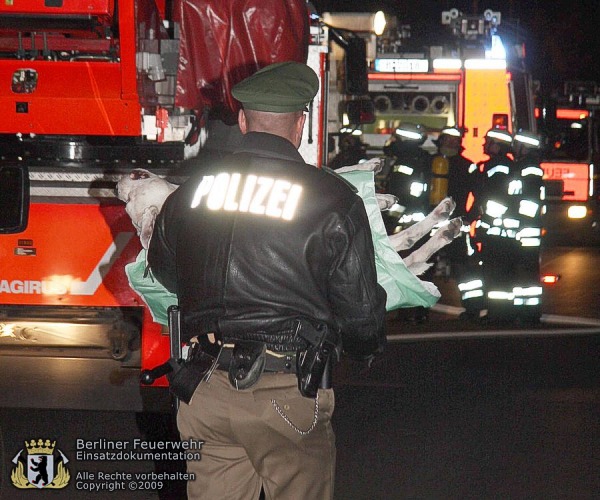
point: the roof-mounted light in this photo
(497, 50)
(447, 64)
(485, 64)
(379, 23)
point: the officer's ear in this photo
(300, 122)
(299, 129)
(243, 124)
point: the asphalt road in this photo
(484, 418)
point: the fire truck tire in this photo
(382, 103)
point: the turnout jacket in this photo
(497, 198)
(462, 180)
(261, 239)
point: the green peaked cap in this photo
(278, 88)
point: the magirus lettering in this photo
(33, 287)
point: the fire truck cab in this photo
(570, 125)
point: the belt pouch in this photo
(248, 360)
(184, 380)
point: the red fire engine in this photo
(89, 90)
(571, 127)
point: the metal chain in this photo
(291, 424)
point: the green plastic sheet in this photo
(157, 297)
(403, 288)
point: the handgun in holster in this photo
(198, 362)
(313, 366)
(185, 371)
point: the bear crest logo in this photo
(45, 468)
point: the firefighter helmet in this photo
(452, 132)
(411, 132)
(527, 139)
(499, 135)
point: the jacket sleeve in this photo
(161, 251)
(358, 301)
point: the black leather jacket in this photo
(270, 240)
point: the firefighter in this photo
(352, 151)
(408, 180)
(410, 174)
(459, 172)
(526, 148)
(456, 176)
(492, 236)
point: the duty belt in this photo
(280, 362)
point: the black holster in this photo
(187, 374)
(313, 366)
(184, 375)
(247, 363)
(200, 362)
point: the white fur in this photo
(373, 165)
(417, 260)
(144, 194)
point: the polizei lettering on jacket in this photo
(252, 194)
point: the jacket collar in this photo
(268, 146)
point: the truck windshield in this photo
(568, 140)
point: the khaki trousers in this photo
(268, 435)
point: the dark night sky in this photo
(562, 37)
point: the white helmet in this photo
(452, 131)
(411, 132)
(527, 139)
(499, 135)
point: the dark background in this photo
(562, 37)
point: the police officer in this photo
(492, 236)
(526, 149)
(410, 174)
(274, 257)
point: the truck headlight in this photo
(576, 212)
